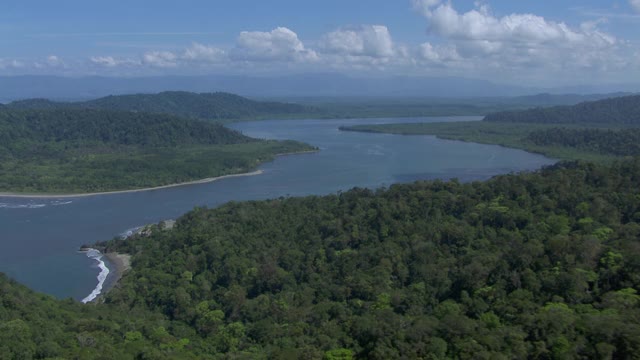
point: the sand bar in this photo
(62, 196)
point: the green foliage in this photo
(67, 151)
(611, 142)
(501, 269)
(515, 135)
(619, 110)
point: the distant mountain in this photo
(67, 88)
(620, 110)
(210, 106)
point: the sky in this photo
(542, 43)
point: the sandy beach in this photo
(62, 196)
(122, 263)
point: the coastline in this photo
(121, 264)
(63, 196)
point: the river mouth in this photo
(58, 227)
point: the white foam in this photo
(21, 206)
(130, 232)
(60, 202)
(102, 276)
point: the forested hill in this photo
(539, 266)
(90, 150)
(207, 106)
(18, 127)
(621, 110)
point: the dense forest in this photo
(513, 135)
(619, 110)
(206, 106)
(538, 265)
(598, 131)
(109, 127)
(86, 150)
(615, 142)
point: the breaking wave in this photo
(102, 276)
(34, 205)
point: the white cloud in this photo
(163, 59)
(112, 62)
(280, 44)
(203, 53)
(11, 64)
(635, 4)
(53, 60)
(514, 43)
(424, 6)
(480, 25)
(439, 54)
(108, 61)
(364, 40)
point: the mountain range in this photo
(315, 85)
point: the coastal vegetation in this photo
(380, 107)
(596, 131)
(537, 265)
(86, 150)
(618, 110)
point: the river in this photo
(39, 238)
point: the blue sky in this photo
(542, 42)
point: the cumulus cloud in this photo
(439, 54)
(49, 62)
(517, 41)
(635, 4)
(280, 44)
(480, 25)
(364, 40)
(424, 6)
(203, 53)
(163, 59)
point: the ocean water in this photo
(39, 238)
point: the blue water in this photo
(39, 238)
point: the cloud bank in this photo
(509, 47)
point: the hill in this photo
(621, 110)
(206, 106)
(87, 150)
(542, 265)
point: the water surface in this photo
(39, 237)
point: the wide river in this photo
(39, 238)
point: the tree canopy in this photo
(541, 265)
(619, 110)
(86, 150)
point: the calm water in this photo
(39, 237)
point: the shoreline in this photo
(121, 264)
(64, 196)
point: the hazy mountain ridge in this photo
(210, 106)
